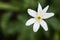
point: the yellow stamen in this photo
(38, 17)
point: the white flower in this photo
(38, 18)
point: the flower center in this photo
(38, 17)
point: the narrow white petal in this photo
(30, 21)
(36, 26)
(31, 12)
(48, 15)
(45, 9)
(39, 8)
(44, 25)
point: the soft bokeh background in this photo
(13, 16)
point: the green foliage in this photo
(14, 15)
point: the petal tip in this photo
(53, 14)
(46, 29)
(28, 10)
(26, 24)
(39, 4)
(35, 30)
(47, 5)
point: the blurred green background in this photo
(13, 16)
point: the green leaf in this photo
(56, 36)
(8, 6)
(5, 18)
(54, 23)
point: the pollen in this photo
(38, 18)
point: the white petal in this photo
(30, 21)
(44, 25)
(45, 9)
(47, 15)
(36, 26)
(39, 8)
(31, 12)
